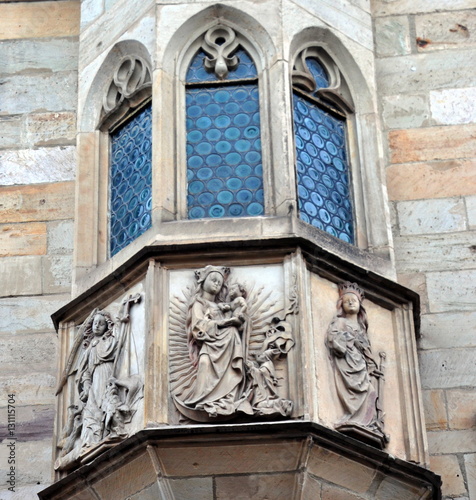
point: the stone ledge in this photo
(185, 445)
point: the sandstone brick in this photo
(10, 129)
(16, 275)
(471, 211)
(441, 179)
(392, 36)
(311, 487)
(448, 468)
(447, 368)
(50, 129)
(22, 492)
(340, 470)
(90, 11)
(39, 202)
(151, 492)
(60, 237)
(405, 111)
(388, 7)
(259, 487)
(452, 441)
(454, 106)
(230, 459)
(29, 314)
(330, 492)
(470, 466)
(32, 388)
(461, 408)
(445, 30)
(198, 488)
(39, 93)
(414, 74)
(434, 143)
(32, 422)
(451, 291)
(391, 489)
(438, 330)
(434, 252)
(435, 410)
(39, 19)
(129, 479)
(32, 166)
(57, 271)
(22, 239)
(431, 216)
(23, 56)
(417, 282)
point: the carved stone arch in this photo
(332, 52)
(354, 96)
(252, 36)
(128, 63)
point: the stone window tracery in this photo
(321, 105)
(224, 159)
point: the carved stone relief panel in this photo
(230, 333)
(101, 388)
(356, 361)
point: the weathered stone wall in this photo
(427, 95)
(38, 94)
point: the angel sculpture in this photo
(104, 403)
(212, 330)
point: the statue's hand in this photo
(376, 373)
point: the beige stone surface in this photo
(39, 19)
(433, 143)
(434, 179)
(128, 479)
(442, 215)
(387, 7)
(461, 408)
(414, 74)
(340, 470)
(16, 275)
(453, 106)
(22, 239)
(198, 488)
(259, 487)
(391, 489)
(38, 202)
(448, 467)
(57, 271)
(447, 330)
(424, 252)
(32, 388)
(471, 210)
(330, 492)
(50, 129)
(311, 487)
(416, 282)
(60, 237)
(434, 405)
(22, 492)
(230, 459)
(406, 111)
(470, 466)
(447, 368)
(445, 30)
(452, 291)
(31, 166)
(452, 441)
(392, 36)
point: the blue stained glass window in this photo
(322, 168)
(130, 180)
(224, 164)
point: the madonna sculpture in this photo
(214, 373)
(358, 378)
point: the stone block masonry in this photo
(38, 75)
(426, 87)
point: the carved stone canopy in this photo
(131, 85)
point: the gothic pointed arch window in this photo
(224, 157)
(322, 107)
(127, 118)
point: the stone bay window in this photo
(233, 280)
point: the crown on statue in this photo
(348, 287)
(201, 274)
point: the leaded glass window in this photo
(322, 166)
(224, 164)
(130, 180)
